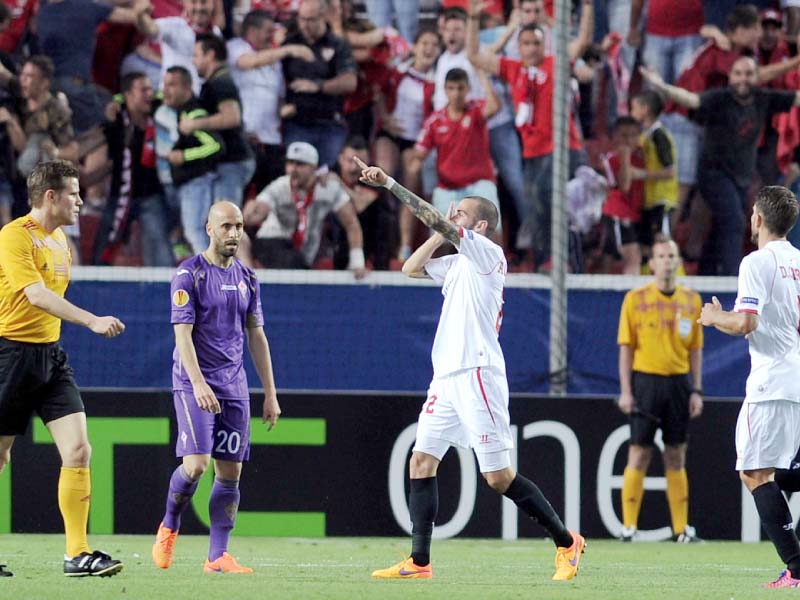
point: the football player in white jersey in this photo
(467, 402)
(767, 312)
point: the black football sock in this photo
(788, 479)
(777, 522)
(530, 500)
(423, 504)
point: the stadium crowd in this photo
(169, 106)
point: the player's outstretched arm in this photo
(262, 360)
(424, 211)
(52, 303)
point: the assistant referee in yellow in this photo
(660, 374)
(34, 373)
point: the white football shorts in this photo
(468, 408)
(767, 434)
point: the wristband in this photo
(356, 259)
(697, 391)
(389, 183)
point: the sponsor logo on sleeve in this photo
(748, 301)
(180, 298)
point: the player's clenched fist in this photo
(371, 175)
(107, 326)
(710, 312)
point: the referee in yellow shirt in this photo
(34, 373)
(660, 373)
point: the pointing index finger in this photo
(360, 162)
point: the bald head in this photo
(225, 228)
(223, 210)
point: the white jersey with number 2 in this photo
(472, 285)
(769, 286)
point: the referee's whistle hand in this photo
(625, 403)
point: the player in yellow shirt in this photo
(660, 372)
(34, 373)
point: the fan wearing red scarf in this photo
(291, 211)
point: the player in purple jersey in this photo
(216, 305)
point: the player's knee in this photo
(498, 480)
(195, 466)
(78, 454)
(639, 457)
(674, 458)
(5, 458)
(422, 465)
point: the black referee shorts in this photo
(34, 378)
(662, 402)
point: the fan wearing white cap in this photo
(290, 213)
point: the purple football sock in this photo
(181, 489)
(222, 507)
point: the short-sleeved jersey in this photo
(532, 94)
(472, 285)
(661, 328)
(29, 254)
(462, 146)
(769, 286)
(218, 303)
(620, 204)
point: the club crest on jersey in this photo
(180, 298)
(243, 288)
(748, 300)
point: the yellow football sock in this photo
(678, 498)
(632, 494)
(74, 492)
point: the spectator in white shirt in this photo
(255, 65)
(176, 35)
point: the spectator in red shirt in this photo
(22, 14)
(672, 36)
(772, 49)
(531, 83)
(771, 46)
(459, 134)
(622, 211)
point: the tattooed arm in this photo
(424, 211)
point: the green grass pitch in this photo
(341, 567)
